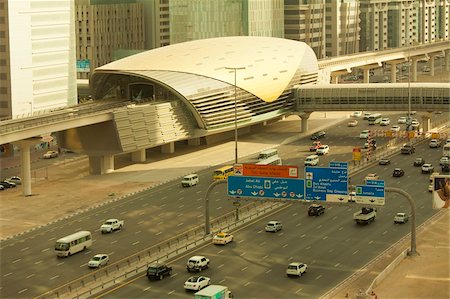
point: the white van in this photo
(312, 160)
(267, 154)
(190, 180)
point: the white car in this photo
(444, 160)
(435, 143)
(323, 150)
(222, 238)
(364, 134)
(427, 168)
(356, 114)
(401, 218)
(98, 260)
(15, 179)
(385, 122)
(366, 115)
(296, 268)
(197, 263)
(371, 177)
(273, 226)
(197, 283)
(402, 120)
(395, 129)
(352, 123)
(351, 196)
(50, 154)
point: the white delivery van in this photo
(190, 180)
(312, 160)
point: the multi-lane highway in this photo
(30, 267)
(332, 245)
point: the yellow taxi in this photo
(222, 238)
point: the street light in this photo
(235, 69)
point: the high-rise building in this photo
(157, 23)
(106, 26)
(443, 19)
(304, 21)
(38, 56)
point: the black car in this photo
(316, 210)
(7, 184)
(158, 271)
(318, 135)
(419, 162)
(398, 172)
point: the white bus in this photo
(274, 160)
(446, 150)
(73, 243)
(375, 118)
(267, 154)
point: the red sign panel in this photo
(272, 171)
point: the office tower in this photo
(38, 56)
(103, 27)
(442, 19)
(156, 23)
(305, 21)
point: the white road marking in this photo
(163, 205)
(123, 212)
(145, 204)
(318, 277)
(331, 250)
(341, 228)
(181, 198)
(285, 245)
(324, 238)
(298, 224)
(295, 214)
(319, 226)
(46, 249)
(355, 252)
(198, 199)
(242, 254)
(337, 265)
(240, 241)
(164, 198)
(31, 275)
(243, 269)
(21, 291)
(87, 252)
(158, 233)
(222, 281)
(15, 261)
(51, 239)
(199, 191)
(171, 292)
(180, 224)
(220, 251)
(38, 262)
(115, 241)
(247, 284)
(220, 266)
(334, 218)
(141, 213)
(265, 257)
(309, 247)
(218, 208)
(59, 264)
(26, 248)
(7, 274)
(218, 199)
(147, 288)
(289, 259)
(385, 232)
(280, 234)
(298, 291)
(268, 271)
(140, 222)
(370, 242)
(138, 232)
(135, 243)
(181, 206)
(173, 275)
(302, 236)
(54, 277)
(261, 244)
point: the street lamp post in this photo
(235, 69)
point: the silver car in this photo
(98, 260)
(273, 226)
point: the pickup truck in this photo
(111, 225)
(365, 216)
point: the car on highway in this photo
(197, 283)
(427, 168)
(7, 184)
(50, 154)
(419, 162)
(395, 129)
(222, 238)
(316, 210)
(444, 160)
(316, 144)
(408, 149)
(2, 187)
(98, 260)
(401, 218)
(15, 179)
(158, 271)
(351, 196)
(415, 125)
(367, 115)
(323, 149)
(402, 120)
(356, 114)
(273, 226)
(434, 143)
(371, 177)
(318, 135)
(189, 180)
(384, 161)
(352, 123)
(385, 122)
(364, 134)
(197, 263)
(296, 269)
(398, 172)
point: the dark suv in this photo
(158, 271)
(316, 210)
(407, 149)
(318, 135)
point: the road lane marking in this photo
(341, 228)
(285, 245)
(147, 288)
(123, 212)
(87, 252)
(46, 249)
(220, 251)
(15, 261)
(82, 265)
(222, 281)
(181, 198)
(295, 214)
(157, 234)
(163, 205)
(173, 275)
(265, 257)
(180, 224)
(289, 259)
(199, 191)
(135, 243)
(31, 275)
(385, 232)
(298, 291)
(298, 224)
(220, 266)
(268, 271)
(164, 197)
(334, 218)
(115, 241)
(138, 232)
(51, 239)
(199, 199)
(240, 241)
(242, 254)
(355, 252)
(319, 226)
(318, 277)
(38, 262)
(331, 250)
(337, 265)
(180, 206)
(59, 264)
(247, 284)
(302, 236)
(54, 277)
(280, 234)
(243, 269)
(7, 274)
(218, 208)
(324, 238)
(218, 199)
(171, 292)
(26, 248)
(141, 213)
(370, 242)
(309, 247)
(21, 291)
(261, 244)
(145, 204)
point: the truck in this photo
(111, 225)
(214, 291)
(366, 215)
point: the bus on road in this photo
(375, 119)
(223, 172)
(274, 160)
(73, 243)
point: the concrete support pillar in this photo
(426, 124)
(138, 156)
(305, 116)
(194, 141)
(393, 72)
(366, 75)
(414, 70)
(25, 162)
(168, 148)
(432, 57)
(334, 78)
(99, 165)
(447, 60)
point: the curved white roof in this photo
(270, 63)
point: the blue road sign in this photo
(375, 183)
(264, 187)
(337, 164)
(373, 195)
(327, 184)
